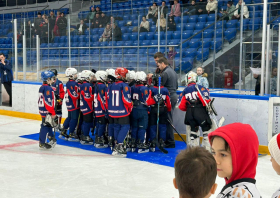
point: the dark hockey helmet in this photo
(155, 79)
(121, 72)
(54, 71)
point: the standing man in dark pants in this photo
(6, 75)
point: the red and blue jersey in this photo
(118, 100)
(86, 99)
(72, 95)
(58, 89)
(191, 93)
(140, 95)
(46, 102)
(99, 99)
(165, 96)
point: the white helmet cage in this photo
(190, 77)
(101, 76)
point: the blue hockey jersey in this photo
(86, 99)
(99, 99)
(191, 93)
(140, 95)
(118, 100)
(58, 88)
(72, 95)
(165, 96)
(46, 101)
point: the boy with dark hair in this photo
(195, 173)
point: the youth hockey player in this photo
(72, 103)
(59, 92)
(192, 102)
(80, 118)
(46, 104)
(100, 110)
(235, 148)
(86, 102)
(139, 114)
(164, 106)
(119, 107)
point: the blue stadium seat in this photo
(256, 23)
(206, 43)
(202, 18)
(219, 44)
(245, 24)
(230, 34)
(124, 29)
(119, 43)
(208, 33)
(199, 35)
(134, 36)
(150, 35)
(189, 26)
(169, 35)
(219, 33)
(199, 26)
(178, 27)
(153, 28)
(185, 19)
(189, 53)
(202, 52)
(193, 19)
(231, 24)
(154, 42)
(129, 29)
(194, 43)
(176, 35)
(187, 64)
(126, 36)
(177, 20)
(142, 36)
(161, 35)
(211, 18)
(221, 24)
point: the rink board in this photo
(254, 110)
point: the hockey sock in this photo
(43, 134)
(86, 128)
(66, 123)
(111, 130)
(117, 128)
(50, 131)
(141, 134)
(123, 132)
(134, 132)
(72, 125)
(162, 131)
(101, 129)
(153, 132)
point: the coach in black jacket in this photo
(6, 75)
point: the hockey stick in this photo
(157, 143)
(216, 122)
(176, 131)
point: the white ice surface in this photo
(26, 171)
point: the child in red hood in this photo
(274, 149)
(235, 149)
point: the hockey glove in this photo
(158, 97)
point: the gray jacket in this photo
(169, 79)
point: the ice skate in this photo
(119, 151)
(161, 143)
(63, 135)
(73, 137)
(111, 142)
(45, 146)
(133, 145)
(52, 141)
(142, 147)
(128, 142)
(153, 146)
(100, 143)
(86, 140)
(194, 142)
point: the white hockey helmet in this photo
(70, 72)
(79, 77)
(101, 76)
(141, 76)
(111, 72)
(190, 77)
(87, 74)
(131, 75)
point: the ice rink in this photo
(26, 171)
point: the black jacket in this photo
(6, 72)
(62, 23)
(52, 22)
(172, 26)
(45, 30)
(117, 33)
(165, 10)
(95, 25)
(37, 23)
(84, 27)
(104, 20)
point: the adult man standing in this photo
(169, 80)
(6, 75)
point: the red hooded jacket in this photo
(244, 145)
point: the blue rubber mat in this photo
(151, 157)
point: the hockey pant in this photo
(139, 123)
(162, 123)
(111, 127)
(87, 123)
(121, 128)
(72, 120)
(101, 126)
(45, 131)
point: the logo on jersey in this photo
(102, 92)
(202, 89)
(126, 88)
(71, 87)
(146, 92)
(48, 93)
(85, 88)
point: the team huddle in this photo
(117, 106)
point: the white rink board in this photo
(253, 112)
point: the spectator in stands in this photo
(81, 28)
(192, 9)
(116, 33)
(163, 9)
(229, 12)
(145, 25)
(44, 17)
(201, 78)
(90, 15)
(6, 75)
(237, 12)
(37, 23)
(175, 9)
(52, 20)
(96, 22)
(97, 10)
(152, 12)
(273, 81)
(171, 55)
(171, 24)
(45, 31)
(275, 7)
(55, 29)
(211, 6)
(62, 24)
(104, 20)
(106, 34)
(162, 23)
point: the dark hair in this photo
(39, 13)
(158, 55)
(227, 148)
(193, 0)
(2, 54)
(154, 3)
(195, 172)
(230, 3)
(163, 60)
(163, 2)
